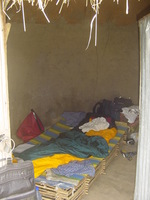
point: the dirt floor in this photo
(119, 181)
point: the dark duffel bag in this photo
(17, 181)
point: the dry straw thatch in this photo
(19, 4)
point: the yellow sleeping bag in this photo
(41, 164)
(107, 134)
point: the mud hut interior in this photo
(65, 56)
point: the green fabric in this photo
(72, 142)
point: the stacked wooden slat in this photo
(54, 193)
(112, 155)
(99, 169)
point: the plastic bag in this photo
(30, 127)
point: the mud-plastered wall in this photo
(50, 71)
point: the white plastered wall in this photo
(143, 159)
(4, 100)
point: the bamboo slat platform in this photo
(77, 192)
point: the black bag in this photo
(122, 102)
(17, 181)
(107, 108)
(115, 111)
(103, 109)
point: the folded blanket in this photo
(75, 167)
(73, 118)
(60, 178)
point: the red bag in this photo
(30, 127)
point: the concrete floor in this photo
(118, 182)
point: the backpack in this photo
(103, 109)
(107, 108)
